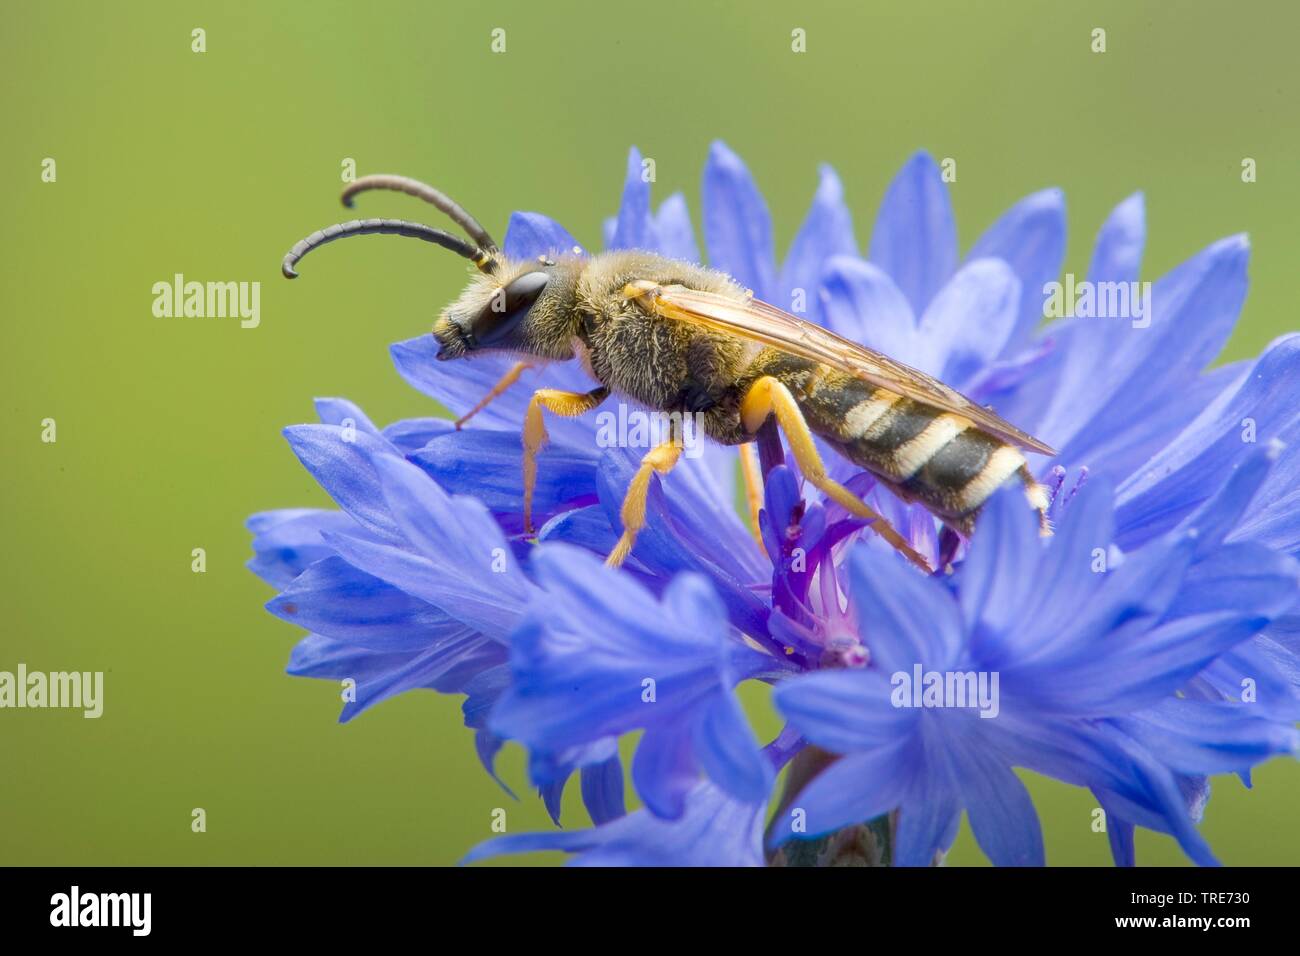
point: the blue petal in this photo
(687, 511)
(904, 617)
(728, 751)
(674, 234)
(1116, 656)
(487, 745)
(844, 710)
(632, 229)
(1272, 518)
(1268, 668)
(552, 794)
(340, 602)
(602, 790)
(1243, 577)
(475, 577)
(1001, 814)
(860, 302)
(1131, 442)
(590, 529)
(1117, 254)
(687, 531)
(854, 789)
(340, 411)
(550, 767)
(971, 319)
(926, 819)
(915, 237)
(482, 693)
(1084, 347)
(379, 676)
(1131, 785)
(488, 466)
(1190, 469)
(1148, 667)
(713, 830)
(1191, 312)
(530, 234)
(1164, 807)
(1119, 833)
(610, 631)
(412, 434)
(1198, 737)
(737, 227)
(664, 770)
(290, 540)
(1030, 237)
(827, 231)
(1061, 581)
(570, 841)
(998, 576)
(597, 656)
(342, 465)
(459, 385)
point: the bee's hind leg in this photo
(753, 476)
(769, 396)
(565, 404)
(661, 458)
(1038, 499)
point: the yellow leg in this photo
(506, 381)
(565, 404)
(749, 469)
(661, 458)
(769, 396)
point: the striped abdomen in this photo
(922, 453)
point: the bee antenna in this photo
(413, 187)
(386, 227)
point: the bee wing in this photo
(760, 322)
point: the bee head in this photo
(493, 313)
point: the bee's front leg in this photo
(506, 380)
(565, 404)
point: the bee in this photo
(682, 338)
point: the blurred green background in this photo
(213, 164)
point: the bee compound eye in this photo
(506, 308)
(525, 290)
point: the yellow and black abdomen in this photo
(921, 453)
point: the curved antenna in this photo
(413, 187)
(385, 227)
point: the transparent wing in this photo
(760, 322)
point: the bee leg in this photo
(661, 458)
(1038, 499)
(753, 477)
(505, 382)
(769, 396)
(565, 404)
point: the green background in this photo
(213, 164)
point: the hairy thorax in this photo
(663, 363)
